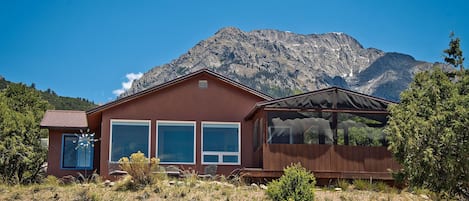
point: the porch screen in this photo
(355, 129)
(176, 142)
(129, 136)
(299, 128)
(358, 129)
(74, 156)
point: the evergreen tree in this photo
(21, 154)
(428, 130)
(454, 55)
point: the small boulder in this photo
(263, 187)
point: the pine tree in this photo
(454, 55)
(428, 129)
(21, 154)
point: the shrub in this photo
(140, 168)
(382, 187)
(296, 184)
(127, 183)
(51, 180)
(360, 184)
(86, 179)
(343, 184)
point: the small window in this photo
(221, 143)
(75, 156)
(176, 142)
(203, 84)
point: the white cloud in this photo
(127, 84)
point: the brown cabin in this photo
(204, 119)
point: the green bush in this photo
(297, 184)
(360, 184)
(343, 184)
(51, 180)
(382, 187)
(140, 168)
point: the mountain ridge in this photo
(282, 63)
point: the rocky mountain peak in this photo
(282, 63)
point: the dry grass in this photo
(366, 195)
(176, 190)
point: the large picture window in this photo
(176, 142)
(221, 143)
(74, 156)
(129, 136)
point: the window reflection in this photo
(354, 129)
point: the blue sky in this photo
(83, 48)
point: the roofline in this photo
(334, 88)
(173, 82)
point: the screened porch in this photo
(334, 132)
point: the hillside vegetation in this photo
(58, 102)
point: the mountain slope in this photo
(59, 102)
(283, 63)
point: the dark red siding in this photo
(55, 152)
(185, 101)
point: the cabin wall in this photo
(55, 153)
(185, 101)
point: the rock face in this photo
(282, 63)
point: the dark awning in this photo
(330, 98)
(333, 98)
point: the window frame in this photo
(194, 123)
(62, 155)
(127, 121)
(220, 154)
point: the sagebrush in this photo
(297, 184)
(140, 168)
